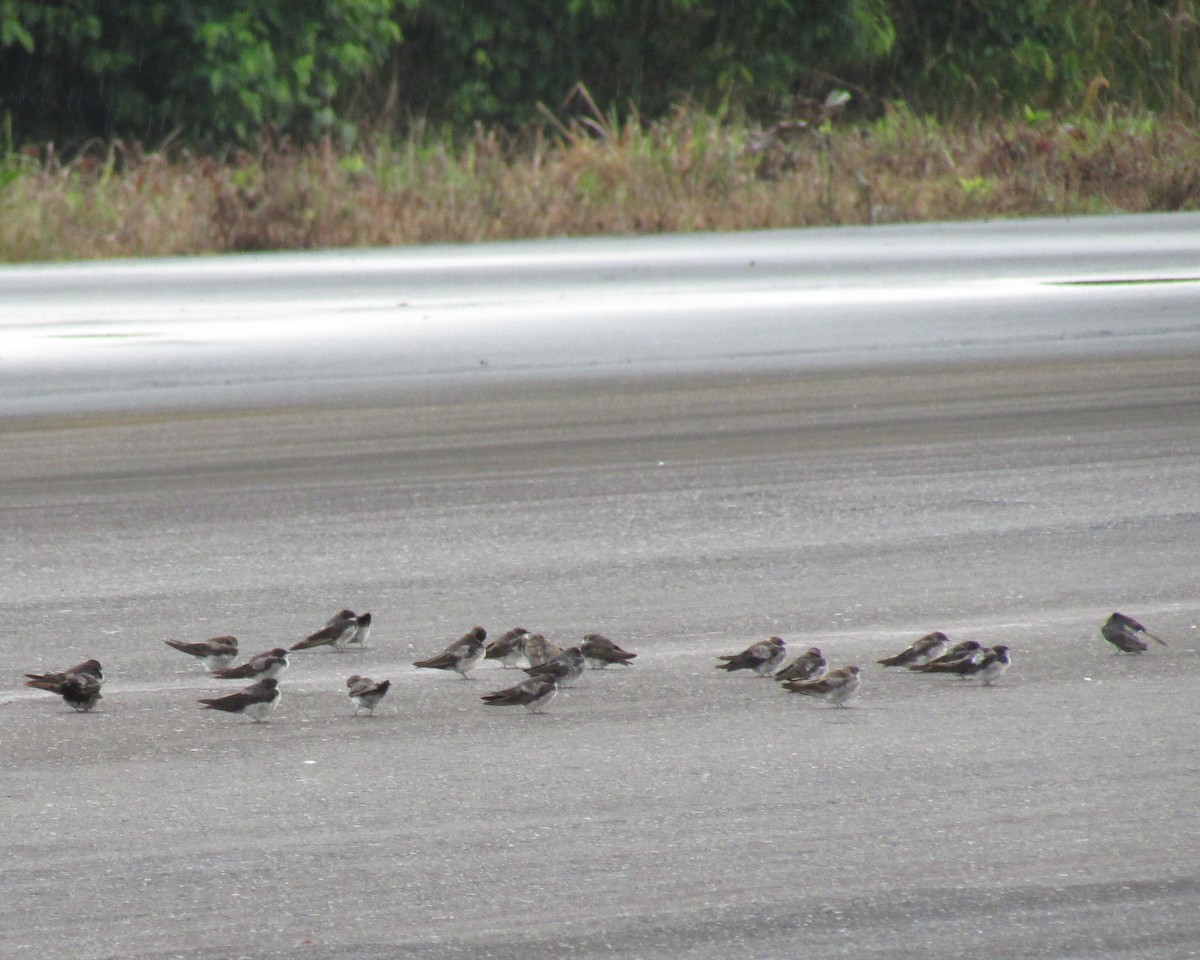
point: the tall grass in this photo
(586, 175)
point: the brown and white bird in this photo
(79, 686)
(808, 666)
(836, 687)
(763, 658)
(929, 647)
(215, 653)
(461, 656)
(1122, 632)
(989, 667)
(255, 701)
(337, 633)
(566, 668)
(262, 666)
(533, 693)
(508, 649)
(366, 693)
(538, 649)
(964, 650)
(601, 653)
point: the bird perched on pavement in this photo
(808, 666)
(989, 667)
(215, 653)
(533, 693)
(538, 649)
(79, 686)
(566, 668)
(461, 656)
(929, 647)
(366, 693)
(600, 652)
(1122, 632)
(763, 657)
(262, 666)
(508, 649)
(255, 701)
(337, 633)
(965, 650)
(836, 687)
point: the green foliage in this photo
(496, 59)
(209, 69)
(971, 55)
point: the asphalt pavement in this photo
(666, 810)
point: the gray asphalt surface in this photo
(668, 810)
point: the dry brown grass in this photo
(588, 176)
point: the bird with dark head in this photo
(836, 687)
(78, 686)
(808, 666)
(1122, 632)
(533, 693)
(215, 653)
(461, 656)
(763, 658)
(601, 653)
(255, 701)
(929, 647)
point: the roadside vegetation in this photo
(128, 130)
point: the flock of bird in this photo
(551, 667)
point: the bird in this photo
(362, 630)
(508, 649)
(538, 649)
(836, 687)
(964, 650)
(809, 665)
(366, 693)
(1122, 632)
(601, 652)
(254, 701)
(566, 668)
(215, 653)
(929, 647)
(988, 664)
(79, 686)
(337, 633)
(763, 657)
(533, 693)
(262, 666)
(461, 656)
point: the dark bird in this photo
(763, 657)
(508, 649)
(538, 649)
(365, 693)
(336, 634)
(808, 666)
(533, 693)
(964, 650)
(566, 668)
(601, 652)
(836, 687)
(461, 656)
(79, 686)
(254, 701)
(362, 630)
(215, 653)
(262, 666)
(929, 647)
(1122, 632)
(989, 667)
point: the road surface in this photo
(1011, 476)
